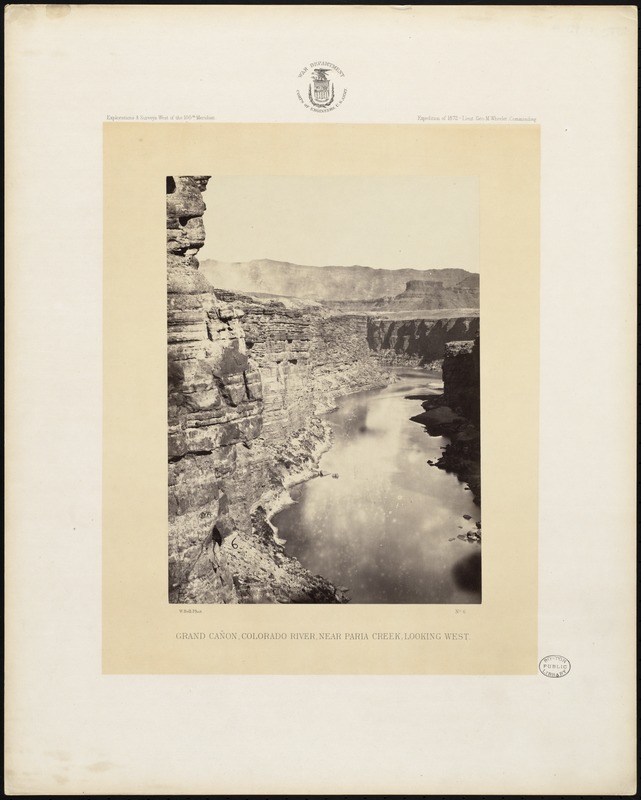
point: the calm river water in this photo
(387, 527)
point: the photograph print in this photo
(323, 389)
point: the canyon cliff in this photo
(249, 378)
(417, 341)
(246, 382)
(456, 413)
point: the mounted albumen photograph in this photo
(323, 389)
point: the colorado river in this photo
(386, 528)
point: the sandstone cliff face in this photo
(342, 360)
(417, 341)
(214, 401)
(245, 382)
(305, 358)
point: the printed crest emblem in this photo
(324, 90)
(321, 89)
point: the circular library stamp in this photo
(554, 666)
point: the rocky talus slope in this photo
(246, 381)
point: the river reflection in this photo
(387, 527)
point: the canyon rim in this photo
(323, 421)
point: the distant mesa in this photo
(433, 294)
(339, 283)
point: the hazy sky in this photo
(377, 222)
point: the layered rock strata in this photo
(418, 342)
(305, 357)
(435, 294)
(246, 381)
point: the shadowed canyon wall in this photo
(462, 378)
(418, 341)
(456, 414)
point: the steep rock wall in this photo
(214, 404)
(246, 380)
(456, 414)
(341, 359)
(417, 341)
(306, 358)
(461, 378)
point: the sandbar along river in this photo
(386, 528)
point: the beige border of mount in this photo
(139, 626)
